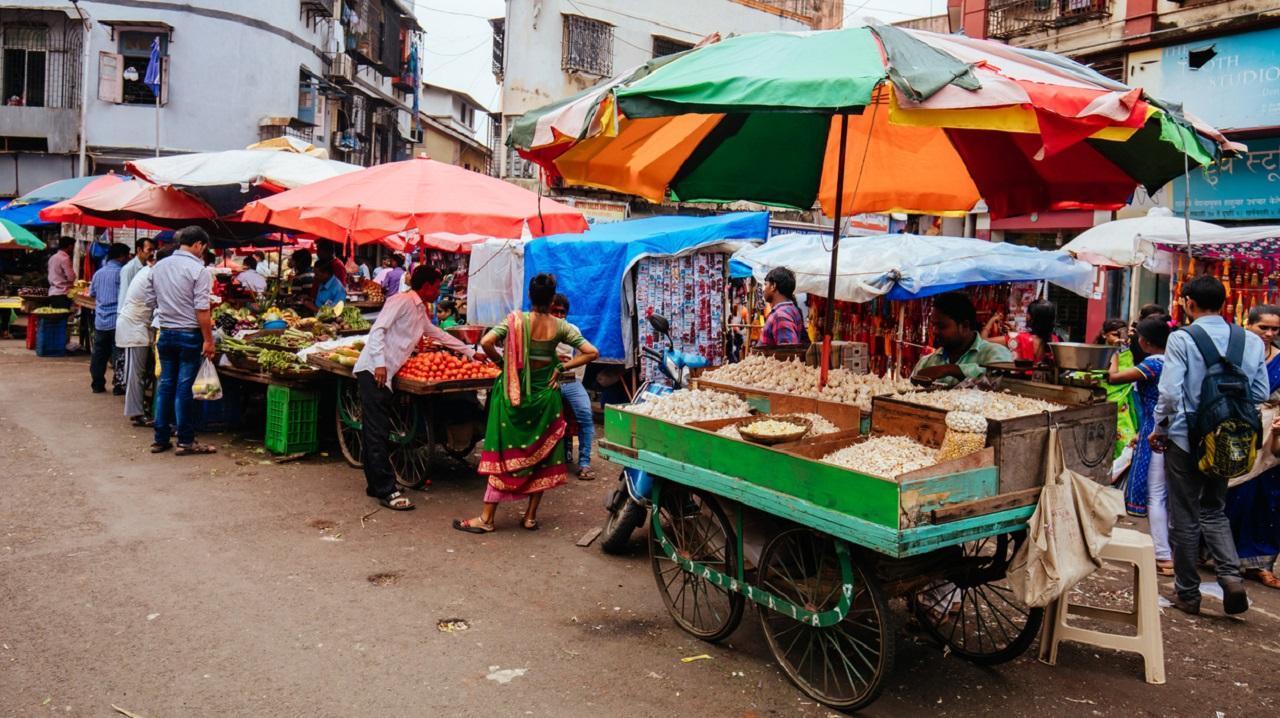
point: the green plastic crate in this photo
(291, 420)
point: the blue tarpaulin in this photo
(590, 267)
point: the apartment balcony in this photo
(1012, 18)
(56, 127)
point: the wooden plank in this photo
(589, 537)
(1025, 497)
(618, 449)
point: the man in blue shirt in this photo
(105, 290)
(329, 289)
(1196, 501)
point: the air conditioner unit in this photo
(342, 68)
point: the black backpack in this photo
(1226, 429)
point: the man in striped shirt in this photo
(785, 325)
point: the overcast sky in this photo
(458, 53)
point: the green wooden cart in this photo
(430, 422)
(838, 545)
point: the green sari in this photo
(1122, 395)
(523, 450)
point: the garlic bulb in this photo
(685, 406)
(794, 377)
(990, 404)
(884, 456)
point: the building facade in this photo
(337, 73)
(545, 50)
(454, 129)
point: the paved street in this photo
(232, 586)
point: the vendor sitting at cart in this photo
(962, 353)
(330, 289)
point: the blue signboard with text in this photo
(1241, 188)
(1232, 82)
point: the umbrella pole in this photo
(828, 321)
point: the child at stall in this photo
(1145, 493)
(446, 313)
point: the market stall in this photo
(864, 119)
(1246, 259)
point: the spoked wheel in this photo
(411, 442)
(350, 428)
(844, 665)
(697, 528)
(972, 609)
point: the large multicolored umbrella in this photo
(871, 119)
(419, 194)
(14, 236)
(66, 211)
(26, 210)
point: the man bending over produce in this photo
(394, 336)
(962, 353)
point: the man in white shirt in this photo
(392, 339)
(250, 279)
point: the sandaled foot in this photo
(586, 474)
(1263, 576)
(194, 448)
(529, 524)
(473, 526)
(397, 501)
(158, 447)
(1164, 568)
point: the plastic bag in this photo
(1266, 460)
(1067, 532)
(207, 386)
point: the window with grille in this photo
(588, 46)
(499, 26)
(663, 46)
(25, 58)
(135, 51)
(517, 166)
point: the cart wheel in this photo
(411, 442)
(350, 428)
(843, 666)
(972, 610)
(697, 527)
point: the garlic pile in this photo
(966, 421)
(990, 404)
(818, 426)
(794, 377)
(884, 456)
(772, 427)
(685, 406)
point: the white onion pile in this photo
(794, 377)
(884, 456)
(819, 426)
(990, 404)
(685, 406)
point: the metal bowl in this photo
(467, 333)
(1082, 357)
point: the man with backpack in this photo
(1208, 424)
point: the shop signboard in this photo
(1232, 81)
(1235, 188)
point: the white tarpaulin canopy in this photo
(1121, 243)
(1260, 243)
(285, 170)
(907, 266)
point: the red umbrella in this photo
(140, 200)
(66, 211)
(420, 194)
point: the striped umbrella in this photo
(14, 236)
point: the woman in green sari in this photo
(523, 452)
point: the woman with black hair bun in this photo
(523, 452)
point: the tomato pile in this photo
(443, 366)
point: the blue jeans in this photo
(180, 357)
(576, 394)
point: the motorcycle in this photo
(628, 504)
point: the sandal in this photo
(1263, 576)
(141, 422)
(397, 501)
(586, 474)
(196, 448)
(529, 524)
(1164, 568)
(157, 448)
(466, 525)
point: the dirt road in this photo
(232, 586)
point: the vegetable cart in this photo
(429, 419)
(838, 545)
